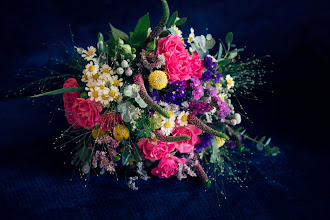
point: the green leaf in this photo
(164, 34)
(60, 91)
(118, 33)
(115, 158)
(140, 33)
(126, 155)
(220, 51)
(260, 145)
(268, 141)
(267, 150)
(172, 19)
(83, 154)
(275, 151)
(181, 21)
(239, 129)
(214, 156)
(224, 62)
(136, 155)
(229, 38)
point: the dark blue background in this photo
(34, 183)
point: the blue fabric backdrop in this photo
(35, 183)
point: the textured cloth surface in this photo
(35, 184)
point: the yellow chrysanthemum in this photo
(158, 79)
(120, 132)
(220, 141)
(98, 132)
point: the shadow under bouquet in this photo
(159, 103)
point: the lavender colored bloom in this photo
(205, 141)
(217, 76)
(212, 91)
(224, 110)
(208, 63)
(195, 82)
(198, 107)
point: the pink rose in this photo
(167, 166)
(110, 120)
(179, 65)
(190, 130)
(87, 112)
(155, 152)
(69, 98)
(197, 65)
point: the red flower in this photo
(86, 112)
(69, 98)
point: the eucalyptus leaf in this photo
(116, 33)
(126, 155)
(268, 141)
(224, 62)
(260, 145)
(220, 51)
(140, 33)
(172, 31)
(267, 150)
(100, 37)
(275, 151)
(60, 91)
(83, 154)
(181, 21)
(229, 38)
(172, 19)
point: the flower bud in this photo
(124, 64)
(100, 46)
(128, 72)
(120, 70)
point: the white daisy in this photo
(191, 37)
(91, 85)
(106, 69)
(105, 97)
(95, 94)
(230, 81)
(116, 82)
(177, 30)
(91, 69)
(167, 126)
(113, 93)
(89, 54)
(172, 116)
(223, 96)
(85, 77)
(183, 118)
(101, 84)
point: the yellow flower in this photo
(98, 132)
(158, 79)
(220, 141)
(120, 132)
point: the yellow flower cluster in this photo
(158, 79)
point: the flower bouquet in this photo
(159, 103)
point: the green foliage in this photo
(115, 158)
(116, 33)
(126, 155)
(172, 19)
(267, 150)
(229, 38)
(164, 34)
(83, 153)
(139, 36)
(60, 91)
(137, 154)
(214, 155)
(181, 21)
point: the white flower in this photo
(191, 37)
(89, 54)
(85, 77)
(116, 82)
(92, 69)
(140, 101)
(223, 96)
(230, 81)
(113, 93)
(131, 90)
(177, 30)
(105, 97)
(185, 104)
(106, 69)
(167, 126)
(105, 76)
(172, 116)
(90, 85)
(95, 94)
(101, 84)
(183, 118)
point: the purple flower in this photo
(195, 82)
(205, 141)
(224, 110)
(231, 144)
(218, 75)
(198, 107)
(206, 76)
(212, 91)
